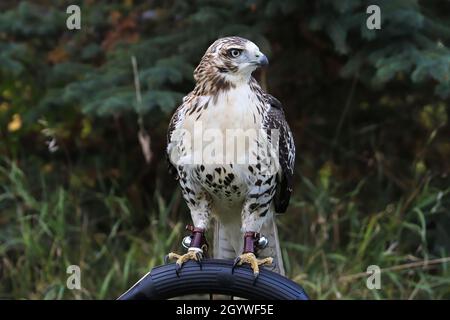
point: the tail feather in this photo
(273, 250)
(222, 247)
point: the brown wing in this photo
(275, 119)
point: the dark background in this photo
(368, 108)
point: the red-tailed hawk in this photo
(241, 181)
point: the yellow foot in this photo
(195, 254)
(251, 259)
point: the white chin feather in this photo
(243, 75)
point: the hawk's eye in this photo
(234, 53)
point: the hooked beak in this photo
(261, 60)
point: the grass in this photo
(328, 240)
(41, 234)
(339, 242)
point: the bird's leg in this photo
(199, 204)
(197, 248)
(254, 214)
(248, 256)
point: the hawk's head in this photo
(231, 59)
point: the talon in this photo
(171, 256)
(199, 258)
(192, 254)
(178, 269)
(250, 258)
(235, 263)
(255, 277)
(195, 252)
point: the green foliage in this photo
(97, 231)
(167, 43)
(409, 42)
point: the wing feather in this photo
(275, 119)
(173, 125)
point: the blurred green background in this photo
(368, 108)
